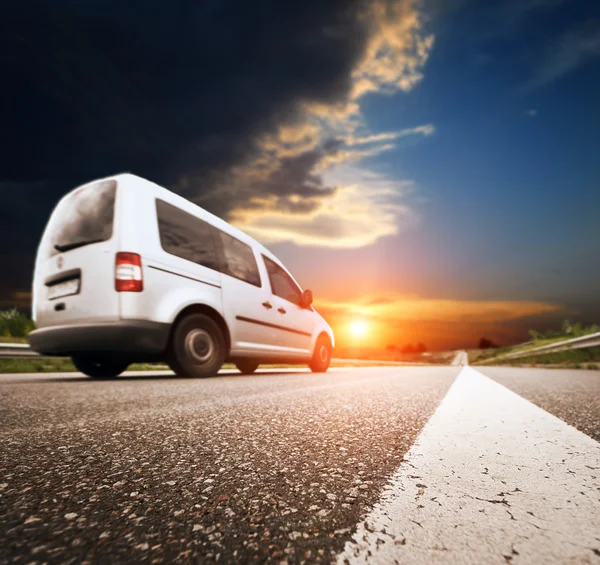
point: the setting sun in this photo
(358, 328)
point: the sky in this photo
(428, 168)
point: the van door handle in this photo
(281, 310)
(267, 305)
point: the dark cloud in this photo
(23, 213)
(164, 90)
(294, 184)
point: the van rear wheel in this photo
(246, 367)
(197, 347)
(98, 368)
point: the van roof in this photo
(219, 222)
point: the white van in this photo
(128, 271)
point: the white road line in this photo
(491, 479)
(461, 359)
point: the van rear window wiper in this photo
(69, 246)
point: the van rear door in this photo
(74, 280)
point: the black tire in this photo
(321, 355)
(246, 366)
(197, 348)
(98, 368)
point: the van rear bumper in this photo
(135, 336)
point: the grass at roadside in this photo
(14, 323)
(60, 365)
(541, 342)
(567, 331)
(571, 358)
(476, 355)
(35, 365)
(479, 355)
(10, 339)
(64, 365)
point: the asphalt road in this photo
(571, 395)
(288, 466)
(272, 467)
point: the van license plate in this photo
(65, 288)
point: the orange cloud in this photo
(351, 156)
(396, 52)
(291, 189)
(292, 139)
(426, 129)
(401, 308)
(440, 323)
(351, 216)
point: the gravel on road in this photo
(270, 467)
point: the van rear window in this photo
(84, 217)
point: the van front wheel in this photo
(321, 355)
(99, 368)
(197, 347)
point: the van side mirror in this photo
(307, 298)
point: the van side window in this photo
(239, 260)
(282, 284)
(186, 236)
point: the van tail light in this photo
(128, 273)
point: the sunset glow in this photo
(397, 320)
(429, 173)
(358, 328)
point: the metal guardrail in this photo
(17, 351)
(23, 351)
(583, 342)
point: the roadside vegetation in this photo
(568, 330)
(480, 355)
(10, 339)
(64, 365)
(14, 325)
(61, 365)
(568, 359)
(572, 357)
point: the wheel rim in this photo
(199, 345)
(323, 354)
